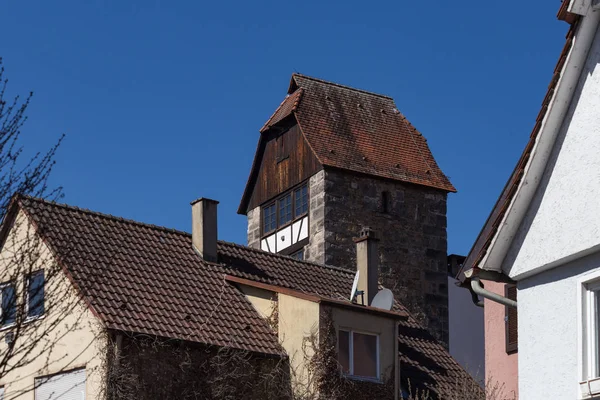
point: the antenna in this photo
(384, 299)
(355, 292)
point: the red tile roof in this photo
(287, 106)
(360, 131)
(492, 224)
(147, 279)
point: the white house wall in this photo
(563, 221)
(466, 337)
(548, 331)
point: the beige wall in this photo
(67, 337)
(298, 323)
(500, 367)
(262, 300)
(367, 323)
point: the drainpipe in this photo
(397, 381)
(475, 274)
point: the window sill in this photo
(590, 389)
(27, 321)
(363, 379)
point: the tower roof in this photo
(358, 131)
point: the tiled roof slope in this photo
(363, 132)
(287, 106)
(148, 279)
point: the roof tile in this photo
(164, 281)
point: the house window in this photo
(269, 218)
(510, 321)
(9, 304)
(287, 208)
(358, 354)
(35, 294)
(67, 385)
(591, 327)
(299, 255)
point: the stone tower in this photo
(333, 159)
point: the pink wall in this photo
(499, 366)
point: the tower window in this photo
(289, 207)
(269, 218)
(385, 201)
(301, 196)
(299, 255)
(285, 209)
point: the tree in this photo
(31, 321)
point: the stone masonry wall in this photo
(315, 249)
(413, 244)
(254, 228)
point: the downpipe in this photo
(475, 275)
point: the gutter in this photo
(474, 275)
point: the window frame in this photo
(295, 254)
(588, 331)
(350, 373)
(275, 202)
(27, 283)
(2, 286)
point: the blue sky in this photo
(161, 101)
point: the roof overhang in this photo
(317, 298)
(495, 239)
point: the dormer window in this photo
(358, 354)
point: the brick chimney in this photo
(204, 228)
(367, 263)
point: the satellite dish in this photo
(384, 299)
(354, 291)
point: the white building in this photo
(544, 232)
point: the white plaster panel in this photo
(284, 238)
(549, 342)
(564, 216)
(303, 234)
(270, 243)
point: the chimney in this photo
(367, 263)
(204, 228)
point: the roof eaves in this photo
(315, 298)
(58, 258)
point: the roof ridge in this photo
(332, 267)
(105, 215)
(342, 86)
(172, 230)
